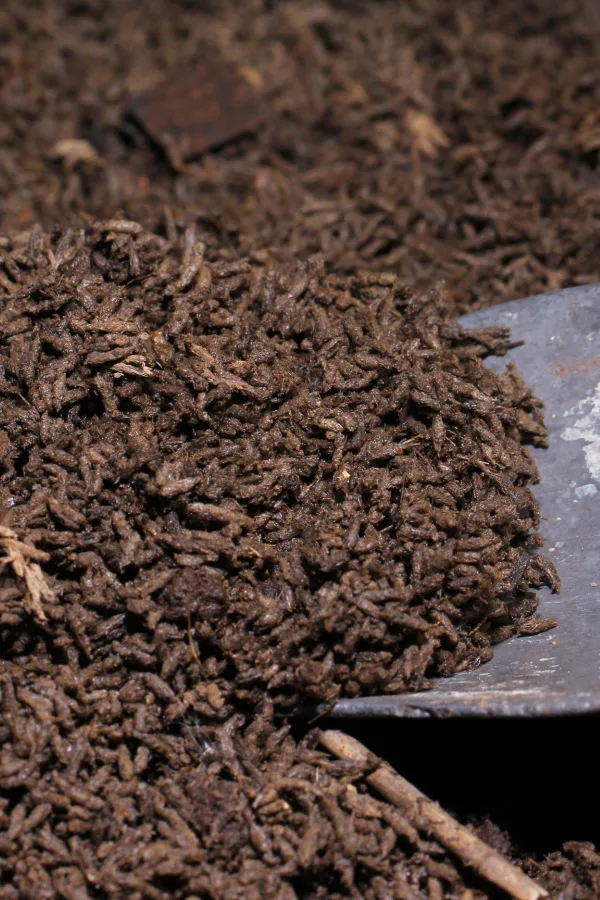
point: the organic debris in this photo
(437, 140)
(230, 483)
(198, 107)
(317, 472)
(24, 561)
(252, 487)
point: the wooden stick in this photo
(429, 816)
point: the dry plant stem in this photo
(24, 560)
(430, 817)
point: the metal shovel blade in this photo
(557, 672)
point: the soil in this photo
(315, 475)
(437, 141)
(230, 489)
(237, 476)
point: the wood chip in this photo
(198, 107)
(428, 137)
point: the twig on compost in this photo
(428, 816)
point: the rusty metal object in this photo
(198, 107)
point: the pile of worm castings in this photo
(230, 489)
(295, 483)
(429, 138)
(238, 479)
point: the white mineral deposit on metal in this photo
(587, 428)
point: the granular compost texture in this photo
(432, 139)
(239, 813)
(232, 488)
(242, 468)
(314, 476)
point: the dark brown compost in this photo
(234, 476)
(284, 480)
(433, 139)
(233, 486)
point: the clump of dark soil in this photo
(236, 476)
(238, 812)
(277, 480)
(435, 140)
(573, 873)
(227, 487)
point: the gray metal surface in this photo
(556, 672)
